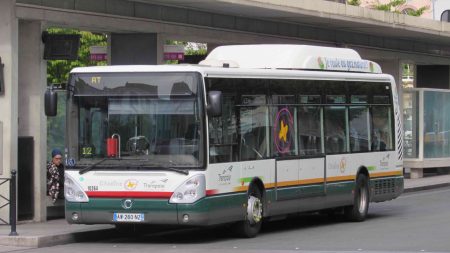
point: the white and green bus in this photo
(252, 132)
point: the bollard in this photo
(13, 203)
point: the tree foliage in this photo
(58, 70)
(354, 2)
(418, 12)
(190, 48)
(391, 6)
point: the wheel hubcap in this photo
(254, 210)
(362, 199)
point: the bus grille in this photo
(384, 186)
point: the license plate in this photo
(128, 217)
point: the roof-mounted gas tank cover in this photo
(289, 57)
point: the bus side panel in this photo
(235, 177)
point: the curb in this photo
(53, 240)
(426, 187)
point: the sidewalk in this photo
(56, 232)
(426, 183)
(53, 232)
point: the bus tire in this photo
(251, 225)
(358, 211)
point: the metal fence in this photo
(11, 202)
(6, 201)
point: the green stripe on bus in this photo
(371, 168)
(248, 179)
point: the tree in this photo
(391, 6)
(190, 48)
(58, 70)
(354, 2)
(418, 12)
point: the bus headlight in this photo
(190, 191)
(73, 192)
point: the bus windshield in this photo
(137, 119)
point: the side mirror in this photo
(51, 103)
(214, 107)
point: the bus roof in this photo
(273, 56)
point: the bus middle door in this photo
(312, 176)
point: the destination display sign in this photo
(341, 64)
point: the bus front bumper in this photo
(207, 211)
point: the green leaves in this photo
(354, 2)
(58, 70)
(389, 6)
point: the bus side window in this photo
(309, 130)
(253, 144)
(222, 133)
(223, 146)
(381, 128)
(358, 123)
(335, 129)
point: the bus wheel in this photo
(358, 212)
(251, 225)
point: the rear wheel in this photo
(358, 212)
(251, 225)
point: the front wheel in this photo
(251, 225)
(358, 212)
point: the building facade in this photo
(435, 9)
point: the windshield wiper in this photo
(90, 167)
(185, 172)
(181, 171)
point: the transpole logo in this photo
(384, 162)
(131, 184)
(284, 123)
(225, 176)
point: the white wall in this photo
(439, 7)
(32, 121)
(9, 101)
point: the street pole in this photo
(13, 203)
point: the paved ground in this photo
(415, 222)
(57, 232)
(426, 183)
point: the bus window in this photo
(335, 92)
(253, 131)
(381, 93)
(283, 131)
(359, 123)
(359, 92)
(335, 129)
(382, 134)
(223, 133)
(92, 128)
(253, 119)
(309, 130)
(223, 143)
